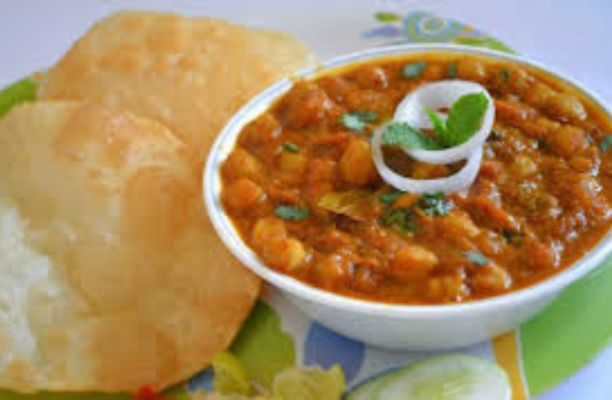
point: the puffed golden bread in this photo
(111, 276)
(191, 74)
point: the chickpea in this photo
(331, 268)
(306, 105)
(567, 141)
(459, 224)
(261, 131)
(241, 164)
(565, 107)
(450, 286)
(286, 254)
(539, 95)
(413, 262)
(243, 194)
(372, 77)
(472, 70)
(356, 166)
(266, 230)
(292, 166)
(524, 165)
(491, 278)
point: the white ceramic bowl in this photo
(391, 325)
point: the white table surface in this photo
(571, 36)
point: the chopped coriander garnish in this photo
(400, 219)
(513, 237)
(389, 198)
(495, 134)
(434, 204)
(606, 143)
(451, 70)
(476, 258)
(292, 213)
(291, 147)
(403, 135)
(505, 74)
(414, 70)
(357, 120)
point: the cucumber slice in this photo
(447, 377)
(368, 389)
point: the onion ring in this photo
(443, 94)
(459, 181)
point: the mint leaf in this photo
(403, 135)
(414, 70)
(292, 213)
(438, 125)
(357, 120)
(464, 118)
(476, 258)
(291, 147)
(387, 17)
(434, 204)
(606, 143)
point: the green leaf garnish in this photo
(438, 125)
(434, 204)
(505, 74)
(476, 258)
(414, 70)
(291, 147)
(495, 134)
(606, 143)
(292, 213)
(513, 237)
(399, 219)
(403, 135)
(357, 120)
(389, 198)
(465, 118)
(451, 70)
(18, 92)
(387, 17)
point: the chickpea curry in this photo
(303, 191)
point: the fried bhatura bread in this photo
(111, 276)
(191, 74)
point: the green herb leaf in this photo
(414, 70)
(399, 219)
(292, 213)
(438, 125)
(464, 118)
(505, 74)
(356, 121)
(389, 198)
(291, 147)
(513, 237)
(476, 258)
(434, 204)
(451, 70)
(495, 134)
(606, 143)
(403, 135)
(387, 17)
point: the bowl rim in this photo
(226, 231)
